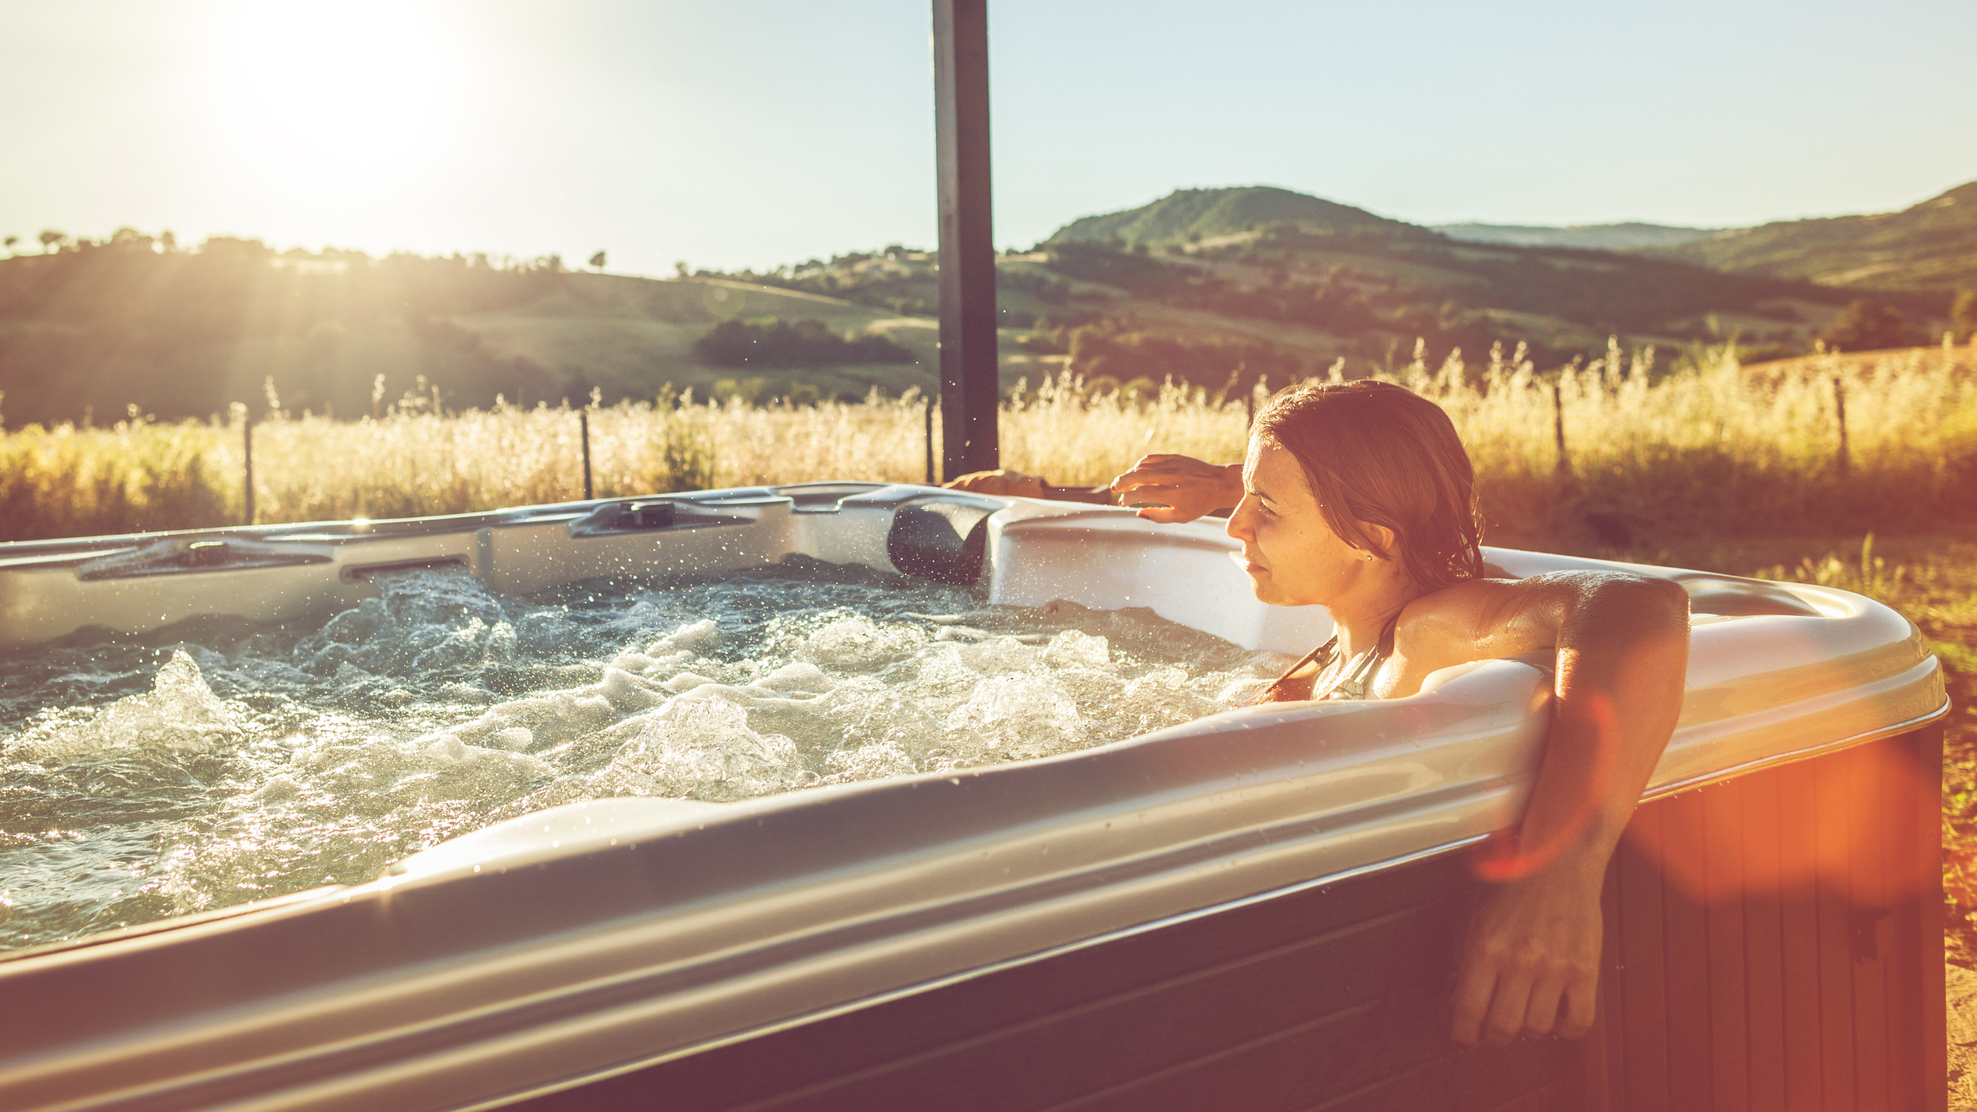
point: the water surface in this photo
(144, 780)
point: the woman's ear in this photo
(1382, 536)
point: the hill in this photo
(1929, 248)
(1331, 280)
(89, 331)
(1633, 236)
(1191, 215)
(1204, 282)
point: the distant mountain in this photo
(1632, 236)
(1281, 283)
(1188, 215)
(1929, 248)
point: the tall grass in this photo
(1702, 448)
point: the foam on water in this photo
(141, 781)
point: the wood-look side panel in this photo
(1764, 941)
(1329, 1013)
(1612, 995)
(1685, 953)
(1833, 896)
(1868, 771)
(1643, 969)
(1723, 807)
(1798, 922)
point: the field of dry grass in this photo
(1703, 449)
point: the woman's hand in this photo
(1183, 488)
(1530, 965)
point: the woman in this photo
(1358, 497)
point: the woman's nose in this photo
(1238, 526)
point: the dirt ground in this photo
(1963, 1039)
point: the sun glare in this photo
(328, 101)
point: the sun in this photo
(330, 100)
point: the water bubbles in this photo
(855, 643)
(278, 759)
(704, 749)
(1075, 649)
(1013, 717)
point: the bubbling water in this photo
(139, 782)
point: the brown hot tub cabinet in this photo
(1254, 911)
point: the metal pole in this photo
(969, 390)
(247, 441)
(583, 423)
(929, 407)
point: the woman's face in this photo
(1292, 556)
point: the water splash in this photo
(139, 782)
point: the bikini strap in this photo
(1355, 683)
(1269, 694)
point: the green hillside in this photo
(1930, 248)
(1190, 215)
(1200, 286)
(1205, 281)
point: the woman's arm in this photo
(1530, 964)
(1016, 484)
(1168, 488)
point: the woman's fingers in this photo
(1531, 964)
(1473, 991)
(1541, 1012)
(1507, 1009)
(1581, 1006)
(1164, 470)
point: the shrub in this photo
(769, 342)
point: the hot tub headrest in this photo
(943, 538)
(1736, 596)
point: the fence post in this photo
(1558, 428)
(1840, 414)
(928, 407)
(247, 442)
(583, 424)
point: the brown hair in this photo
(1379, 454)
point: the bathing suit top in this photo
(1301, 679)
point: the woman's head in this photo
(1386, 472)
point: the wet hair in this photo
(1379, 454)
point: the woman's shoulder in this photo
(1446, 627)
(1457, 609)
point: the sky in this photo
(750, 133)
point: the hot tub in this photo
(1254, 910)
